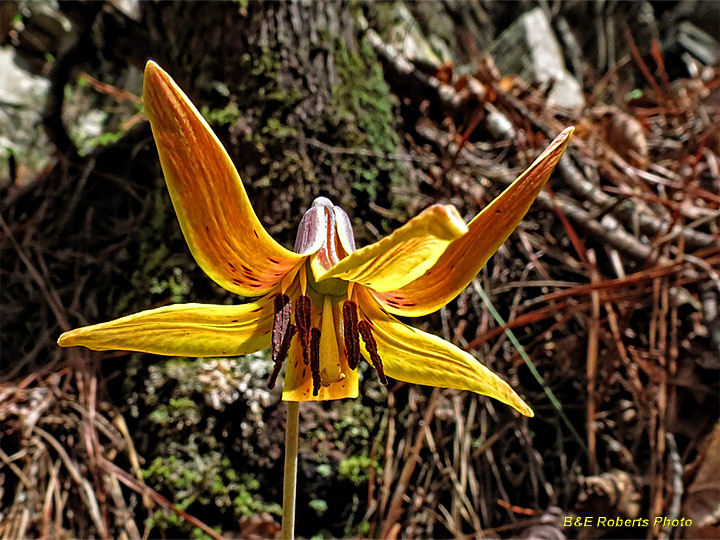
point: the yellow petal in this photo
(404, 255)
(417, 357)
(183, 330)
(465, 256)
(220, 226)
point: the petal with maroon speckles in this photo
(218, 222)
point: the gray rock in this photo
(407, 37)
(528, 48)
(22, 97)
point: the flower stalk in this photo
(290, 474)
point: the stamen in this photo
(303, 320)
(282, 333)
(315, 360)
(371, 346)
(350, 333)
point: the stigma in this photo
(325, 232)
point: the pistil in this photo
(315, 360)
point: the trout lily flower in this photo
(326, 305)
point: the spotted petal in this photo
(466, 255)
(220, 226)
(417, 357)
(183, 330)
(404, 255)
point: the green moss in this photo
(356, 422)
(178, 285)
(360, 115)
(319, 505)
(203, 478)
(276, 129)
(364, 97)
(324, 470)
(199, 534)
(356, 469)
(191, 464)
(272, 99)
(365, 119)
(226, 116)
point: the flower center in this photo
(332, 286)
(325, 234)
(319, 346)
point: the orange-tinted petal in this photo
(220, 226)
(465, 256)
(402, 256)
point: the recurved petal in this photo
(413, 356)
(466, 255)
(403, 256)
(183, 330)
(220, 226)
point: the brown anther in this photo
(282, 333)
(315, 359)
(303, 321)
(371, 347)
(350, 333)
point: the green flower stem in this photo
(290, 475)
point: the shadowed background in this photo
(610, 285)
